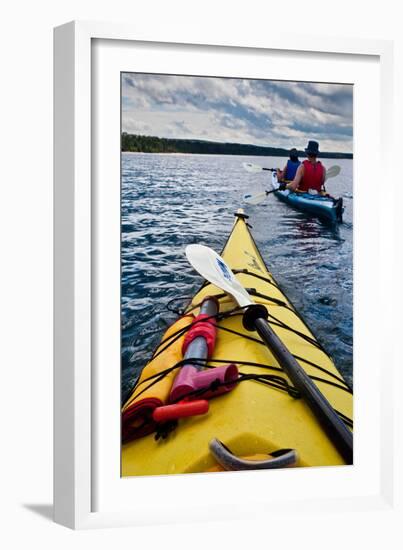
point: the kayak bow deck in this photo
(262, 415)
(323, 206)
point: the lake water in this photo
(170, 201)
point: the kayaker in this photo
(310, 175)
(290, 169)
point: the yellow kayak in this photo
(262, 419)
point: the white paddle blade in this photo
(252, 167)
(333, 171)
(254, 199)
(213, 268)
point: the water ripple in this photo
(170, 201)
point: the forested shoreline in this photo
(152, 144)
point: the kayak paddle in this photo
(249, 167)
(332, 172)
(213, 268)
(258, 198)
(255, 167)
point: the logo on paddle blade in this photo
(224, 270)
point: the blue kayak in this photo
(323, 206)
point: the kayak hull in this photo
(253, 419)
(325, 208)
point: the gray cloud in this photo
(246, 111)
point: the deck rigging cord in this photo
(238, 311)
(275, 381)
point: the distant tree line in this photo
(152, 144)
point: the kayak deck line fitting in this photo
(263, 414)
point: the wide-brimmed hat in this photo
(313, 148)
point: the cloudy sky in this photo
(260, 112)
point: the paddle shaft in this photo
(320, 406)
(214, 269)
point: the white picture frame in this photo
(80, 49)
